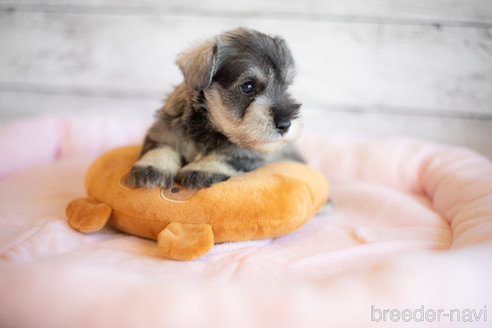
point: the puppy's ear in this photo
(199, 64)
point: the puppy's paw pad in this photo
(199, 179)
(149, 177)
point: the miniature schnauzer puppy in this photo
(231, 114)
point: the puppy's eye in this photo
(247, 88)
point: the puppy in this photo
(231, 114)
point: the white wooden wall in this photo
(380, 67)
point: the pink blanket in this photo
(409, 242)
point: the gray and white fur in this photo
(231, 114)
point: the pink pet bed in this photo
(411, 230)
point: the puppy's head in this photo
(244, 75)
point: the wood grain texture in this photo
(474, 133)
(422, 67)
(467, 12)
(17, 105)
(375, 68)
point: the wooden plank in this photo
(421, 68)
(473, 133)
(18, 105)
(399, 12)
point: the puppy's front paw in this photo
(199, 179)
(149, 176)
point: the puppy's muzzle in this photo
(282, 124)
(283, 117)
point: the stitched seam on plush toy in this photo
(222, 224)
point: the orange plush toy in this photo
(270, 201)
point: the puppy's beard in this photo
(256, 130)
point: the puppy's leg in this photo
(157, 167)
(206, 171)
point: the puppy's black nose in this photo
(282, 124)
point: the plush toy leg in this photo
(184, 242)
(87, 215)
